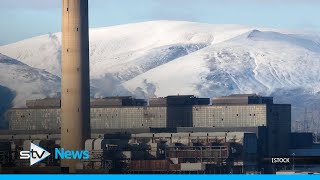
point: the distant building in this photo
(250, 124)
(235, 111)
(250, 110)
(117, 101)
(111, 113)
(240, 99)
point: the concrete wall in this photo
(101, 118)
(33, 119)
(135, 117)
(230, 116)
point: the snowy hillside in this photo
(23, 82)
(161, 58)
(112, 48)
(255, 62)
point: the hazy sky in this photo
(21, 19)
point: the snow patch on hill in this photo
(26, 82)
(161, 58)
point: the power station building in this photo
(111, 113)
(175, 134)
(233, 131)
(185, 112)
(169, 112)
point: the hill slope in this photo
(161, 58)
(255, 62)
(123, 48)
(25, 82)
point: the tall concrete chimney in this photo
(75, 86)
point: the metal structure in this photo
(199, 154)
(75, 89)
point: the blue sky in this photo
(21, 19)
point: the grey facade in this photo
(272, 120)
(34, 119)
(128, 117)
(230, 116)
(238, 99)
(101, 118)
(104, 118)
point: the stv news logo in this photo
(37, 154)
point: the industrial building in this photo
(239, 111)
(111, 113)
(175, 134)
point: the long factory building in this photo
(272, 122)
(174, 134)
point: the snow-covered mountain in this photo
(254, 62)
(20, 82)
(126, 49)
(161, 58)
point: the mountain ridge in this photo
(161, 58)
